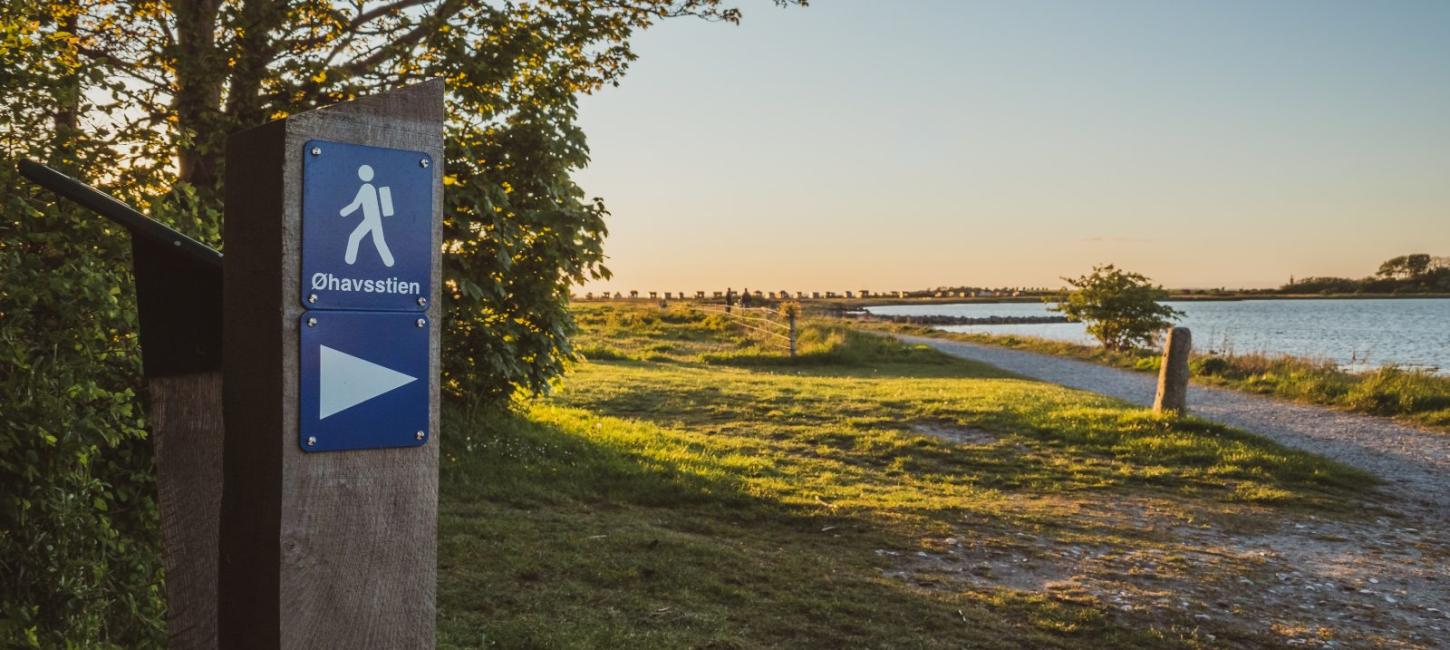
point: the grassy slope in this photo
(1410, 396)
(687, 489)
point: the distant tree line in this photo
(1414, 273)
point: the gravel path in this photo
(1376, 578)
(1414, 462)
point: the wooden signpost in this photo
(328, 534)
(294, 389)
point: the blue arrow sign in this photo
(364, 380)
(367, 227)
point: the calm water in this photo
(1356, 334)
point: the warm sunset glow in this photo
(877, 145)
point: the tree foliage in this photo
(138, 97)
(78, 549)
(161, 84)
(1120, 308)
(1405, 267)
(1415, 273)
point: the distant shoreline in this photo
(886, 302)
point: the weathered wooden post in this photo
(179, 304)
(1173, 372)
(330, 493)
(790, 314)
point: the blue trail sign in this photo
(367, 231)
(364, 380)
(367, 261)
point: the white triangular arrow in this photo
(348, 381)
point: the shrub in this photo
(78, 522)
(1206, 366)
(1393, 391)
(1120, 308)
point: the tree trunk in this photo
(200, 71)
(66, 118)
(255, 50)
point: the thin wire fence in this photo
(776, 325)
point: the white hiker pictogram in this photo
(376, 203)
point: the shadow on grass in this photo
(562, 529)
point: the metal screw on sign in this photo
(422, 301)
(423, 163)
(312, 322)
(311, 297)
(312, 441)
(317, 151)
(422, 322)
(419, 435)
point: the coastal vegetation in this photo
(1410, 395)
(1414, 273)
(687, 486)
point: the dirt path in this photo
(1377, 580)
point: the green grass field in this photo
(687, 488)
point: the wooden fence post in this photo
(790, 315)
(1173, 372)
(331, 548)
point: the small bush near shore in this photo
(1390, 391)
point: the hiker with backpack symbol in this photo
(376, 203)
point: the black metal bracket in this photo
(178, 281)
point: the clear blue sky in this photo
(905, 144)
